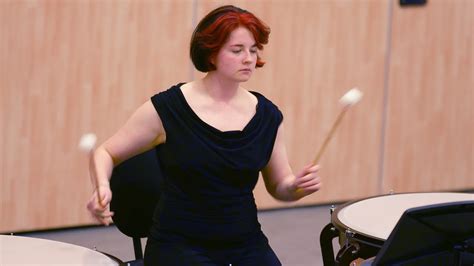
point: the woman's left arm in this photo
(279, 179)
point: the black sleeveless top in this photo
(209, 175)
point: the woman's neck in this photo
(219, 89)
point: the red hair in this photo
(214, 30)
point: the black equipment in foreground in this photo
(439, 234)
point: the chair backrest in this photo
(136, 189)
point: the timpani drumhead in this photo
(16, 250)
(377, 216)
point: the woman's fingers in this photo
(104, 219)
(307, 174)
(310, 183)
(308, 169)
(313, 188)
(107, 221)
(104, 195)
(105, 200)
(100, 211)
(308, 180)
(105, 215)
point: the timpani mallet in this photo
(87, 144)
(349, 99)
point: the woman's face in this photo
(237, 58)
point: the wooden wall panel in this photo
(317, 51)
(71, 67)
(430, 119)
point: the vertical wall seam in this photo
(388, 52)
(193, 26)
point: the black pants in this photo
(171, 250)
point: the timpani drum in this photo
(363, 225)
(17, 250)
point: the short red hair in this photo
(214, 30)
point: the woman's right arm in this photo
(143, 131)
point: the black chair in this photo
(136, 189)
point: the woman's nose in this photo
(248, 57)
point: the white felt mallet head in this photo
(87, 142)
(347, 100)
(351, 97)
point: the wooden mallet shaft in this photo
(329, 135)
(347, 100)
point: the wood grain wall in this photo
(430, 120)
(71, 67)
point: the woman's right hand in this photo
(100, 210)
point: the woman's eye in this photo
(236, 51)
(253, 51)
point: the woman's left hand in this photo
(307, 181)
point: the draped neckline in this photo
(210, 127)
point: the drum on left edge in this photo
(18, 250)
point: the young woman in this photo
(212, 138)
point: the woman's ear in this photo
(212, 61)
